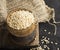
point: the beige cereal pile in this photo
(20, 19)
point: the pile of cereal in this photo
(20, 19)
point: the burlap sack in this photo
(3, 11)
(40, 10)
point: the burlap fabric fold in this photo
(40, 10)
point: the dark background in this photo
(50, 28)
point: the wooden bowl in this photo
(23, 32)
